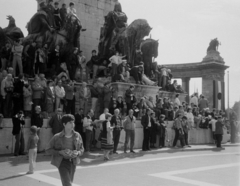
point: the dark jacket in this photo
(69, 92)
(55, 124)
(37, 120)
(115, 124)
(145, 120)
(79, 123)
(127, 96)
(94, 92)
(17, 125)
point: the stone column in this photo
(185, 86)
(207, 90)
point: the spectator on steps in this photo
(37, 120)
(56, 122)
(18, 127)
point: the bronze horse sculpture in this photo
(213, 45)
(10, 33)
(149, 50)
(117, 36)
(67, 38)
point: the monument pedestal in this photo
(213, 56)
(145, 90)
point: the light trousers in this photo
(17, 60)
(32, 155)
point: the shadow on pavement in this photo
(12, 177)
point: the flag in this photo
(218, 95)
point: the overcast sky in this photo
(184, 29)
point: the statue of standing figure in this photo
(213, 45)
(115, 24)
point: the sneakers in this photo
(132, 151)
(115, 152)
(29, 172)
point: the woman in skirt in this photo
(107, 137)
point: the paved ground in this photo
(199, 165)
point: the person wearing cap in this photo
(219, 131)
(66, 148)
(32, 148)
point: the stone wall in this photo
(91, 13)
(196, 136)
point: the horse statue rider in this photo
(213, 45)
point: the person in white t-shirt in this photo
(114, 62)
(213, 124)
(177, 101)
(102, 117)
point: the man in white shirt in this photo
(177, 101)
(88, 125)
(102, 117)
(114, 63)
(194, 100)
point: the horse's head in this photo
(11, 21)
(149, 47)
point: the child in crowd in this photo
(32, 149)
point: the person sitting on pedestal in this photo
(57, 17)
(136, 72)
(123, 69)
(114, 62)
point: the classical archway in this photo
(211, 70)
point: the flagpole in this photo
(228, 93)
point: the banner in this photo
(218, 95)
